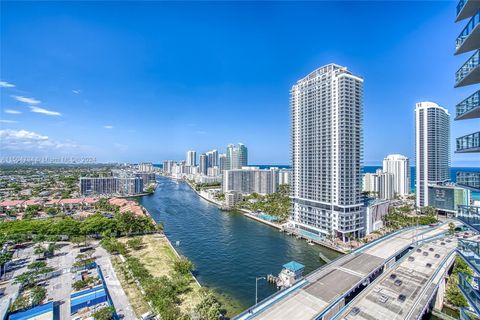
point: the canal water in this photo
(228, 249)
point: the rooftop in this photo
(294, 266)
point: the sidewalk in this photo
(120, 300)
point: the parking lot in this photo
(403, 290)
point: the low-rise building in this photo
(232, 198)
(447, 197)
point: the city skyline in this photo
(57, 99)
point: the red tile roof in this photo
(11, 203)
(32, 202)
(71, 201)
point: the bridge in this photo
(326, 292)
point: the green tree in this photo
(209, 307)
(21, 303)
(183, 266)
(25, 279)
(113, 246)
(135, 243)
(451, 228)
(37, 295)
(453, 293)
(37, 265)
(104, 314)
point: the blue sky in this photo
(147, 81)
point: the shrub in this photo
(104, 314)
(135, 243)
(37, 295)
(183, 266)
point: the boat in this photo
(310, 242)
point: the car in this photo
(411, 259)
(355, 311)
(398, 282)
(402, 297)
(425, 253)
(419, 250)
(431, 249)
(437, 255)
(393, 276)
(383, 298)
(428, 265)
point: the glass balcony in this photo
(469, 287)
(470, 215)
(466, 8)
(469, 108)
(469, 143)
(470, 180)
(469, 38)
(469, 73)
(470, 252)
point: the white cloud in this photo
(45, 111)
(24, 140)
(5, 84)
(108, 127)
(76, 91)
(8, 121)
(26, 99)
(11, 111)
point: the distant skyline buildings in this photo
(236, 156)
(432, 148)
(399, 166)
(203, 164)
(191, 159)
(212, 158)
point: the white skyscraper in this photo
(399, 166)
(327, 149)
(432, 148)
(191, 158)
(212, 158)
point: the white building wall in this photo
(432, 148)
(399, 166)
(327, 149)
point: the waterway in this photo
(228, 249)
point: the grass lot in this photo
(134, 295)
(158, 257)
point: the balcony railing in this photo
(465, 107)
(470, 180)
(470, 252)
(466, 8)
(470, 215)
(464, 314)
(466, 32)
(469, 143)
(466, 71)
(460, 5)
(469, 287)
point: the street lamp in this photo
(256, 288)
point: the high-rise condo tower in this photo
(327, 150)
